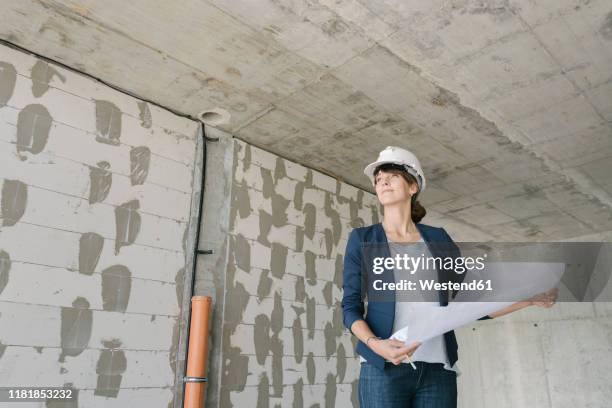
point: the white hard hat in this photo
(397, 155)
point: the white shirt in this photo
(432, 350)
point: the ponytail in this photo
(417, 210)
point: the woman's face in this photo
(392, 188)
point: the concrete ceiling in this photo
(508, 103)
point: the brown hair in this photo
(417, 211)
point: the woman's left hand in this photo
(546, 299)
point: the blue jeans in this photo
(429, 386)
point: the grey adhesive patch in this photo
(14, 201)
(33, 127)
(310, 220)
(263, 392)
(179, 283)
(265, 224)
(173, 352)
(310, 368)
(90, 249)
(241, 204)
(341, 363)
(75, 328)
(8, 78)
(116, 287)
(279, 169)
(5, 267)
(235, 367)
(2, 349)
(338, 272)
(268, 182)
(355, 393)
(39, 349)
(276, 317)
(246, 161)
(334, 217)
(242, 253)
(337, 319)
(235, 373)
(310, 261)
(140, 160)
(127, 221)
(185, 238)
(100, 182)
(375, 217)
(108, 123)
(112, 363)
(299, 239)
(278, 260)
(234, 202)
(279, 210)
(42, 74)
(354, 341)
(328, 235)
(342, 200)
(300, 289)
(330, 340)
(239, 296)
(298, 335)
(308, 181)
(298, 195)
(261, 337)
(310, 316)
(276, 347)
(354, 207)
(298, 394)
(265, 284)
(327, 293)
(606, 27)
(145, 115)
(330, 391)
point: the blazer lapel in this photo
(380, 237)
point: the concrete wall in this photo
(555, 358)
(96, 198)
(546, 358)
(283, 341)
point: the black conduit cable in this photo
(197, 251)
(60, 64)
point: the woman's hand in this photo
(392, 350)
(546, 299)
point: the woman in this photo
(387, 378)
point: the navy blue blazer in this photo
(380, 315)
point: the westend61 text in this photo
(430, 284)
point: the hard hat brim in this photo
(369, 171)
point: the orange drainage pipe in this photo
(195, 380)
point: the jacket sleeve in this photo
(352, 303)
(457, 252)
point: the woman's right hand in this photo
(393, 350)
